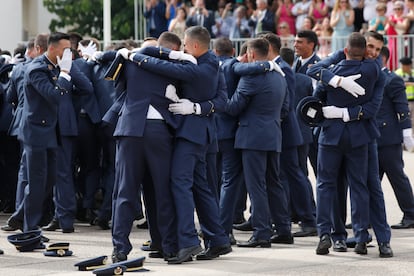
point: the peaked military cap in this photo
(113, 269)
(406, 61)
(58, 250)
(27, 241)
(133, 265)
(309, 109)
(91, 264)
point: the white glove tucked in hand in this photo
(275, 67)
(179, 55)
(124, 52)
(408, 139)
(65, 63)
(171, 93)
(88, 51)
(182, 107)
(348, 84)
(333, 112)
(97, 55)
(17, 59)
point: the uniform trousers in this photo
(64, 190)
(41, 175)
(232, 182)
(191, 190)
(391, 163)
(355, 160)
(137, 159)
(261, 174)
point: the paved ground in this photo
(297, 259)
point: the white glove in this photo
(17, 59)
(275, 67)
(88, 51)
(65, 63)
(171, 93)
(97, 55)
(182, 107)
(348, 84)
(333, 112)
(124, 52)
(408, 139)
(179, 55)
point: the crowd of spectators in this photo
(333, 20)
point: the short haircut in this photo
(374, 35)
(169, 40)
(288, 55)
(223, 46)
(274, 41)
(356, 45)
(31, 43)
(385, 52)
(199, 34)
(260, 46)
(41, 40)
(310, 36)
(54, 38)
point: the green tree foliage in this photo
(86, 17)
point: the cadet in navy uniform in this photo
(15, 95)
(188, 173)
(232, 178)
(144, 151)
(47, 79)
(305, 44)
(395, 126)
(366, 111)
(343, 140)
(64, 191)
(294, 179)
(259, 99)
(9, 146)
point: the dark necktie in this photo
(298, 65)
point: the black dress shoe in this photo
(340, 246)
(143, 225)
(149, 247)
(324, 244)
(52, 226)
(253, 242)
(68, 230)
(118, 256)
(90, 216)
(385, 250)
(232, 239)
(361, 248)
(245, 226)
(103, 224)
(214, 252)
(15, 223)
(184, 254)
(8, 228)
(306, 232)
(404, 224)
(156, 254)
(1, 252)
(286, 239)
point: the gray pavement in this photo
(297, 259)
